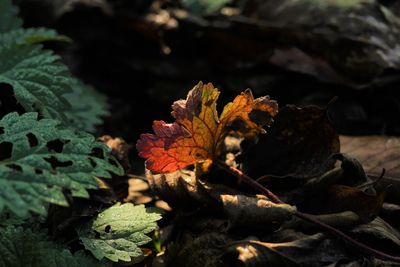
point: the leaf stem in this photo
(304, 216)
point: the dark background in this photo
(146, 54)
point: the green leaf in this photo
(88, 107)
(19, 247)
(41, 158)
(8, 16)
(118, 232)
(38, 79)
(30, 36)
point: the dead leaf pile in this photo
(219, 221)
(298, 51)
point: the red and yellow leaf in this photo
(197, 133)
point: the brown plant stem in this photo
(307, 217)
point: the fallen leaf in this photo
(137, 184)
(331, 40)
(197, 133)
(282, 248)
(254, 212)
(350, 172)
(379, 233)
(119, 148)
(313, 250)
(138, 191)
(339, 190)
(363, 262)
(391, 214)
(184, 192)
(344, 219)
(347, 198)
(197, 251)
(180, 189)
(376, 153)
(299, 143)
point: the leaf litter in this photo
(220, 221)
(202, 234)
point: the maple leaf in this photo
(198, 133)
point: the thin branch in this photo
(307, 217)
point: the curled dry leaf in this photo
(119, 148)
(254, 211)
(380, 233)
(198, 133)
(180, 188)
(138, 191)
(350, 172)
(298, 144)
(391, 214)
(198, 251)
(344, 188)
(292, 249)
(344, 219)
(346, 198)
(376, 153)
(345, 53)
(313, 250)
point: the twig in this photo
(307, 217)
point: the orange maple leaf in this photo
(197, 133)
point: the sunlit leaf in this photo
(197, 133)
(118, 231)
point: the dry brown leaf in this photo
(299, 144)
(347, 198)
(376, 153)
(380, 230)
(198, 251)
(138, 191)
(180, 189)
(313, 250)
(289, 249)
(119, 148)
(344, 219)
(391, 214)
(254, 211)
